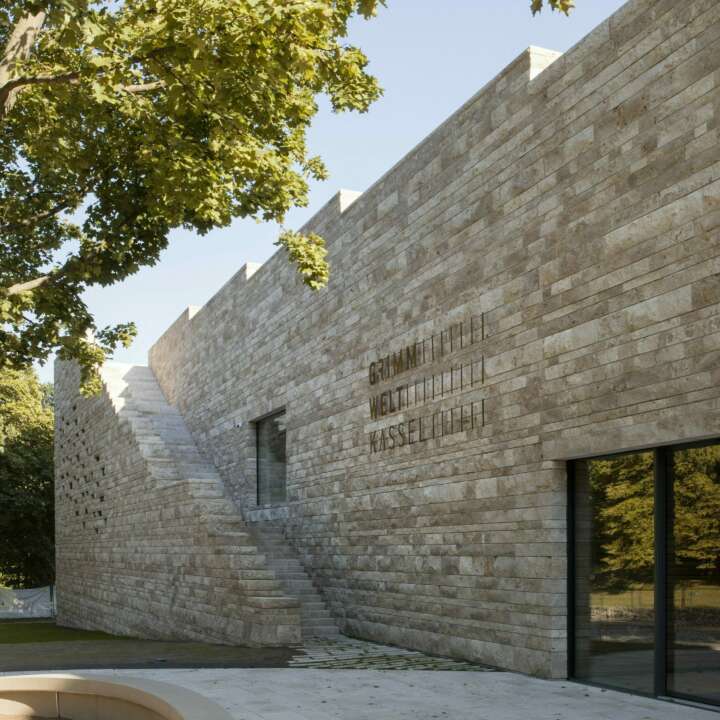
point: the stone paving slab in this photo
(309, 694)
(351, 654)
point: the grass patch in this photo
(44, 631)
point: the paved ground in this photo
(307, 694)
(341, 679)
(87, 651)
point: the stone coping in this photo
(98, 697)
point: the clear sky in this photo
(430, 56)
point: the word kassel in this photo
(429, 427)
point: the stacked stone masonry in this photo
(551, 252)
(148, 544)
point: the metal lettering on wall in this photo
(464, 374)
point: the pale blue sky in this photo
(430, 56)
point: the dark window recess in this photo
(271, 459)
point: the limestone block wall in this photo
(557, 241)
(147, 545)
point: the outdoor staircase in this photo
(285, 562)
(270, 572)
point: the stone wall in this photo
(564, 225)
(147, 545)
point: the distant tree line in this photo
(27, 545)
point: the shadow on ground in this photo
(44, 646)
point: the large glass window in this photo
(693, 590)
(271, 459)
(646, 571)
(614, 571)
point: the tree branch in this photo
(144, 87)
(19, 82)
(25, 286)
(39, 217)
(18, 48)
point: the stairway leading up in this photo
(272, 574)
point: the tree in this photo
(623, 490)
(564, 6)
(123, 119)
(148, 115)
(696, 532)
(27, 554)
(623, 500)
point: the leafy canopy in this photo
(145, 115)
(123, 119)
(27, 555)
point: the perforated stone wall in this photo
(148, 547)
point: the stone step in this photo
(289, 564)
(219, 507)
(298, 586)
(259, 574)
(282, 553)
(284, 560)
(231, 547)
(315, 615)
(248, 561)
(308, 600)
(310, 597)
(260, 586)
(290, 576)
(279, 570)
(320, 627)
(319, 630)
(197, 472)
(311, 603)
(203, 493)
(229, 536)
(274, 537)
(230, 525)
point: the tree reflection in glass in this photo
(614, 571)
(693, 590)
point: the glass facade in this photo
(614, 575)
(271, 459)
(645, 585)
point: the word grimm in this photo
(393, 364)
(455, 337)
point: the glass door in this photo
(693, 574)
